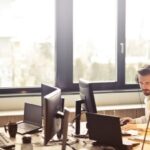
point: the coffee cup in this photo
(11, 128)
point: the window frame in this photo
(64, 53)
(64, 79)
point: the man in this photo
(143, 78)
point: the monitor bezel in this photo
(86, 94)
(51, 119)
(45, 89)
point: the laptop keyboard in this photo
(5, 142)
(25, 127)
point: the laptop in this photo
(106, 131)
(32, 120)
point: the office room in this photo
(58, 42)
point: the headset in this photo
(145, 70)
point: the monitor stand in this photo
(65, 128)
(62, 134)
(78, 120)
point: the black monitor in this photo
(86, 94)
(45, 89)
(87, 101)
(53, 115)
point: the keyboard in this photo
(5, 142)
(26, 128)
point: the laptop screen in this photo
(104, 129)
(33, 114)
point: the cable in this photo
(71, 147)
(79, 115)
(71, 143)
(145, 133)
(140, 101)
(139, 94)
(86, 135)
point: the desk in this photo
(37, 142)
(82, 144)
(141, 131)
(86, 144)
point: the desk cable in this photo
(140, 101)
(145, 133)
(79, 115)
(71, 143)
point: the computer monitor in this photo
(87, 101)
(86, 94)
(45, 89)
(53, 115)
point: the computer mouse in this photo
(124, 122)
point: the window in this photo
(94, 40)
(58, 42)
(26, 43)
(137, 37)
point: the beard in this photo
(146, 92)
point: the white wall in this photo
(17, 103)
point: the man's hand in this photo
(125, 120)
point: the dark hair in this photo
(145, 70)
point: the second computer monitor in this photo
(52, 115)
(86, 94)
(45, 89)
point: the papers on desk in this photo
(130, 132)
(142, 127)
(140, 138)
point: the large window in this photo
(94, 43)
(26, 43)
(137, 36)
(59, 41)
(94, 40)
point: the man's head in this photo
(143, 78)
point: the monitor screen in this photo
(45, 89)
(86, 94)
(52, 120)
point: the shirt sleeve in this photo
(140, 120)
(144, 119)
